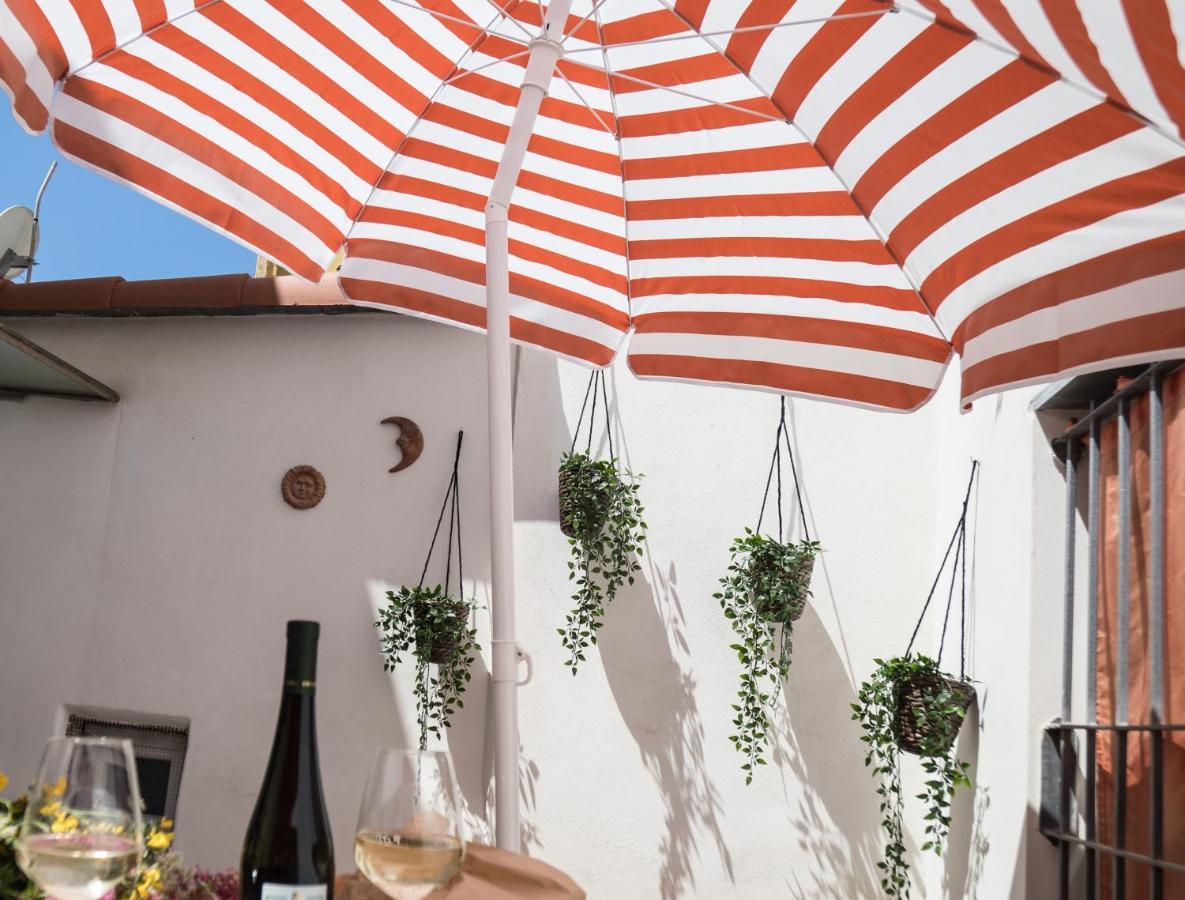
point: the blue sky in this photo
(92, 226)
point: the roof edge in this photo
(235, 294)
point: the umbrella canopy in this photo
(823, 197)
(814, 196)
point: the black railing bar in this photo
(1093, 475)
(1119, 864)
(1065, 744)
(1110, 406)
(1156, 880)
(1065, 741)
(1092, 587)
(1115, 726)
(1089, 823)
(1123, 560)
(1156, 515)
(1156, 551)
(1113, 851)
(1070, 458)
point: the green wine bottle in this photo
(288, 851)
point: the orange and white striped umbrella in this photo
(821, 197)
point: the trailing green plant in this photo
(767, 586)
(433, 626)
(601, 513)
(13, 881)
(779, 575)
(908, 702)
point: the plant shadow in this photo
(834, 811)
(471, 742)
(665, 723)
(967, 844)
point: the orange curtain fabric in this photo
(1139, 772)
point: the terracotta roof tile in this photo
(210, 294)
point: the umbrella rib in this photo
(625, 217)
(729, 32)
(789, 120)
(196, 8)
(445, 17)
(1089, 90)
(505, 11)
(672, 90)
(592, 12)
(494, 62)
(482, 35)
(587, 105)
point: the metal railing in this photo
(1064, 733)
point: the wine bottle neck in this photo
(300, 661)
(296, 728)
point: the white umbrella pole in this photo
(545, 52)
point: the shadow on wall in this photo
(541, 436)
(466, 742)
(831, 800)
(470, 740)
(835, 814)
(967, 845)
(665, 723)
(663, 719)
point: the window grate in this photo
(159, 748)
(1064, 736)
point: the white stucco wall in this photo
(149, 563)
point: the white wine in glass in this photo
(82, 833)
(409, 839)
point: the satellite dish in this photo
(18, 240)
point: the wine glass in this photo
(410, 837)
(82, 833)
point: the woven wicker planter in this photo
(443, 643)
(800, 584)
(568, 506)
(912, 733)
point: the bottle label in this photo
(294, 892)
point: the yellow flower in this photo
(159, 840)
(64, 822)
(166, 824)
(58, 789)
(51, 809)
(3, 781)
(149, 879)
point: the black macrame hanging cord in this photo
(950, 594)
(775, 468)
(452, 504)
(958, 543)
(597, 377)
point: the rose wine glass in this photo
(410, 838)
(82, 833)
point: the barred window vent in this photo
(159, 743)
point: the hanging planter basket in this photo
(582, 498)
(601, 515)
(436, 641)
(762, 594)
(431, 625)
(917, 730)
(771, 581)
(909, 703)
